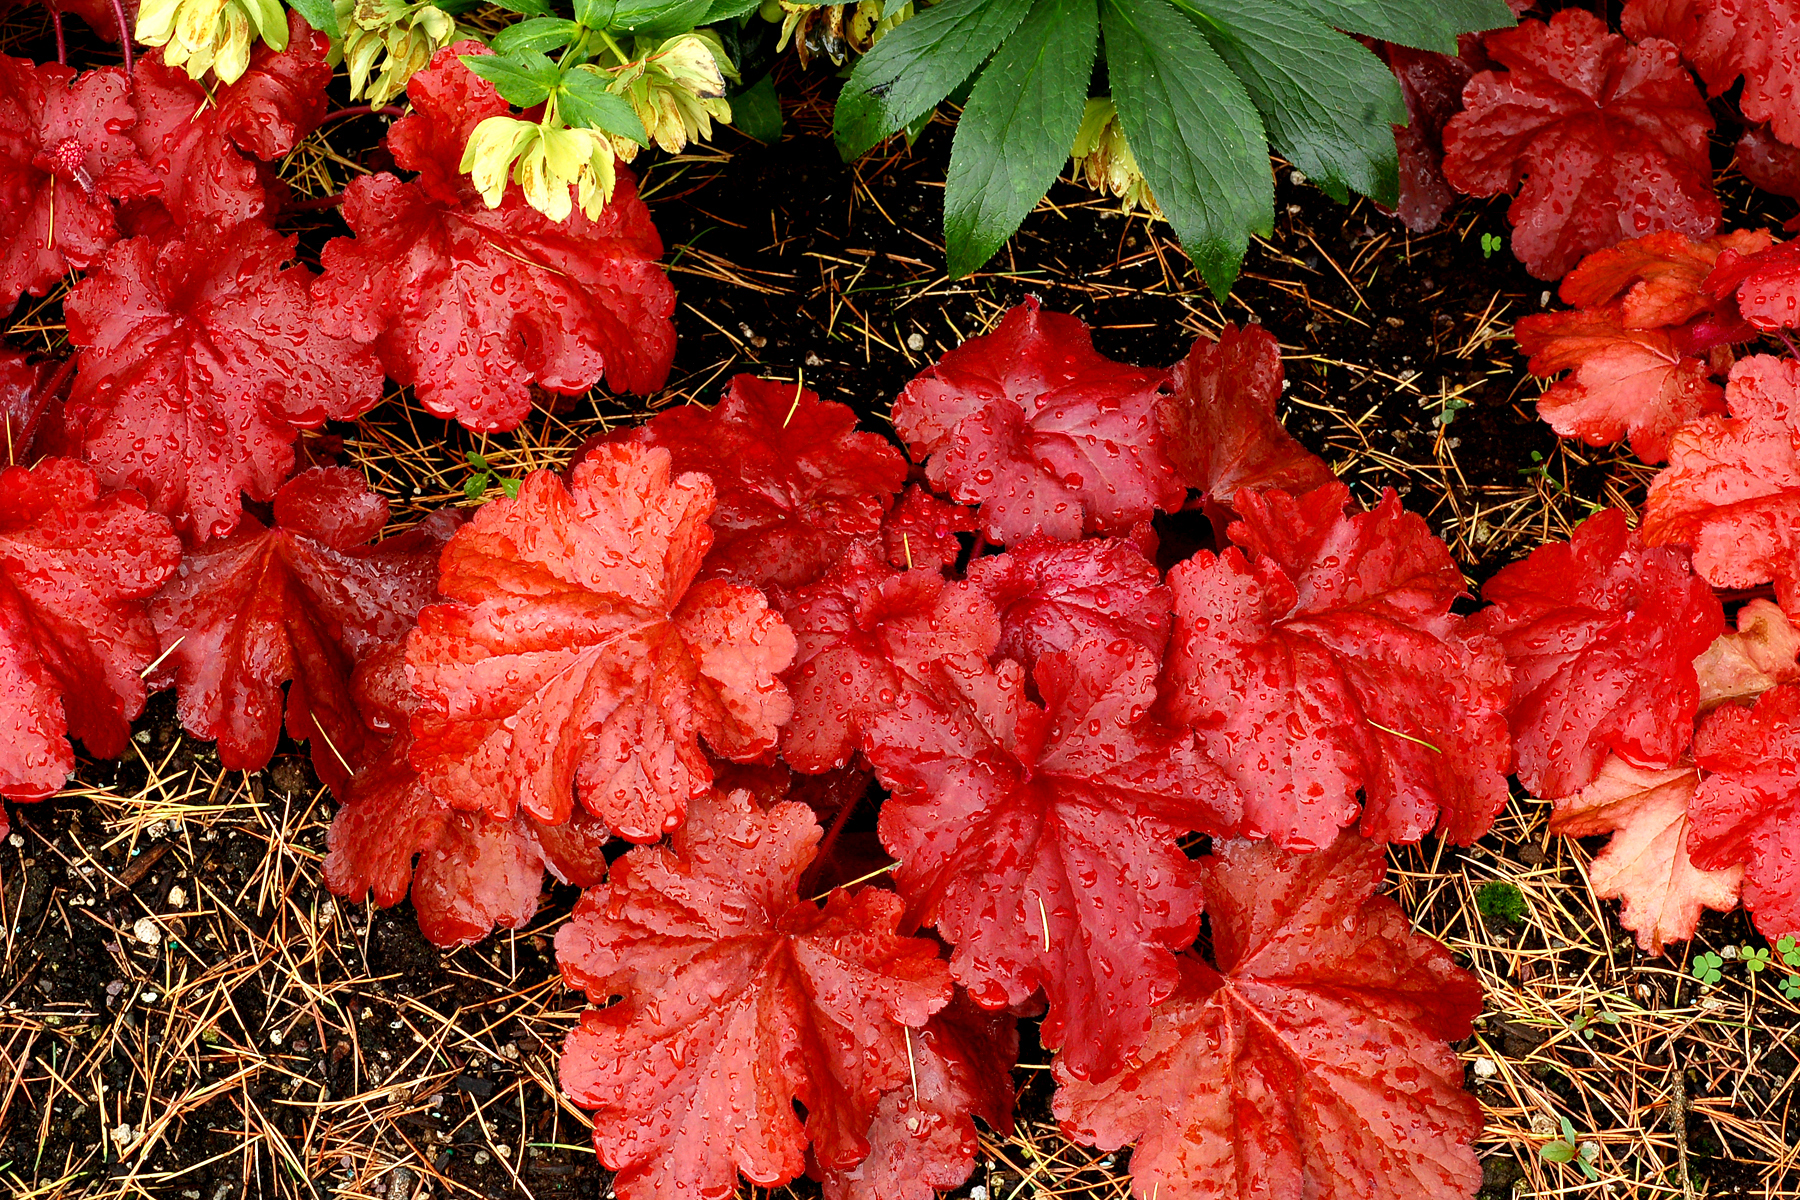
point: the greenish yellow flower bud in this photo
(677, 90)
(546, 162)
(215, 35)
(407, 34)
(1104, 157)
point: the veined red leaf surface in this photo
(1432, 86)
(1053, 595)
(577, 654)
(1765, 283)
(1723, 39)
(739, 999)
(1041, 841)
(1740, 666)
(1747, 810)
(1309, 1058)
(1319, 657)
(920, 531)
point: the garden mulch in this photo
(185, 1012)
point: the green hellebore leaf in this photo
(583, 101)
(1431, 26)
(756, 111)
(724, 10)
(523, 77)
(542, 34)
(320, 14)
(530, 8)
(1015, 133)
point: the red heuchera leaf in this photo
(75, 569)
(797, 484)
(867, 634)
(1748, 807)
(577, 653)
(1062, 595)
(1042, 841)
(198, 139)
(923, 1138)
(921, 530)
(1622, 382)
(1731, 490)
(65, 155)
(300, 602)
(198, 360)
(1659, 281)
(1610, 139)
(471, 306)
(1322, 657)
(1601, 633)
(739, 998)
(1739, 667)
(1647, 864)
(1432, 86)
(1309, 1059)
(1045, 434)
(1768, 162)
(1217, 414)
(1758, 39)
(474, 871)
(25, 397)
(1766, 285)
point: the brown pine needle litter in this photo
(186, 1013)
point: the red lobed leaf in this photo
(797, 484)
(1309, 1059)
(923, 1137)
(1432, 86)
(866, 635)
(1758, 39)
(1322, 657)
(920, 531)
(1218, 420)
(25, 402)
(299, 603)
(1610, 139)
(1766, 285)
(1768, 162)
(1647, 864)
(76, 567)
(577, 653)
(198, 360)
(470, 306)
(1731, 490)
(1738, 667)
(1747, 810)
(1601, 633)
(1659, 280)
(739, 1000)
(65, 155)
(1042, 841)
(1053, 595)
(1043, 433)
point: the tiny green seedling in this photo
(1490, 242)
(484, 477)
(1566, 1149)
(1756, 959)
(1709, 968)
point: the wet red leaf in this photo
(1740, 666)
(1609, 138)
(1432, 86)
(1647, 864)
(1659, 280)
(1766, 285)
(797, 484)
(1308, 1058)
(1731, 490)
(25, 402)
(1043, 433)
(1747, 810)
(739, 1000)
(470, 306)
(1768, 162)
(76, 567)
(867, 634)
(1055, 595)
(576, 652)
(198, 361)
(65, 155)
(1319, 656)
(1601, 633)
(1723, 39)
(299, 603)
(1042, 841)
(920, 531)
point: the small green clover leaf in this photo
(1790, 951)
(1708, 968)
(1790, 987)
(1490, 242)
(1755, 959)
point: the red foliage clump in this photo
(1432, 86)
(1601, 633)
(469, 305)
(1608, 137)
(797, 484)
(576, 652)
(1054, 596)
(1748, 807)
(1724, 39)
(1043, 433)
(738, 999)
(920, 531)
(1764, 282)
(1319, 656)
(76, 567)
(1309, 1051)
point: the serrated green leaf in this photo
(595, 14)
(1193, 131)
(656, 17)
(542, 34)
(1423, 26)
(724, 10)
(320, 14)
(523, 78)
(1014, 134)
(916, 65)
(756, 111)
(1328, 104)
(583, 101)
(530, 8)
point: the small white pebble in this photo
(327, 913)
(1486, 1068)
(147, 931)
(505, 1150)
(509, 1051)
(274, 1037)
(122, 1137)
(978, 1192)
(915, 342)
(1544, 298)
(148, 997)
(1728, 952)
(141, 737)
(1296, 178)
(16, 841)
(813, 360)
(177, 897)
(481, 1158)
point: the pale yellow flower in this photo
(676, 89)
(409, 34)
(211, 35)
(1102, 154)
(546, 163)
